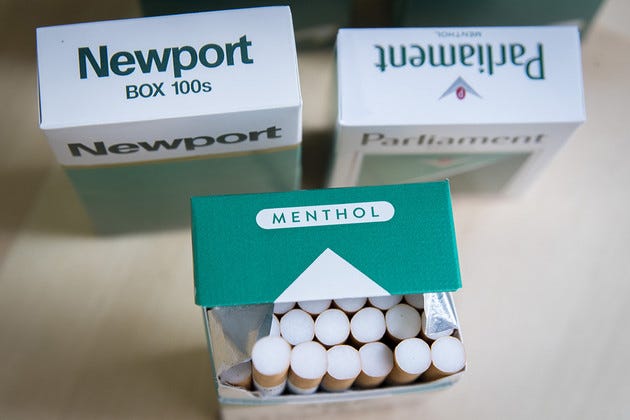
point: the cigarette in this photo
(350, 305)
(239, 375)
(447, 357)
(297, 326)
(270, 363)
(315, 307)
(332, 327)
(377, 361)
(417, 300)
(367, 325)
(412, 357)
(275, 326)
(344, 365)
(308, 366)
(282, 308)
(433, 336)
(402, 321)
(385, 302)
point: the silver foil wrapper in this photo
(233, 330)
(440, 314)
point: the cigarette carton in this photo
(256, 251)
(485, 107)
(144, 113)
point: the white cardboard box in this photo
(485, 107)
(163, 108)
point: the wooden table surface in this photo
(106, 327)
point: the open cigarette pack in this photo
(486, 107)
(325, 296)
(145, 113)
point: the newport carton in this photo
(251, 251)
(144, 113)
(485, 107)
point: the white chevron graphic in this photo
(459, 82)
(330, 277)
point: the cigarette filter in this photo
(315, 307)
(308, 365)
(297, 326)
(271, 357)
(350, 305)
(275, 326)
(282, 307)
(417, 300)
(332, 327)
(367, 325)
(412, 357)
(402, 321)
(385, 302)
(377, 362)
(344, 365)
(447, 357)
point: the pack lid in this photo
(451, 76)
(323, 244)
(166, 67)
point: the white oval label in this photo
(333, 214)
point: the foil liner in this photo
(440, 314)
(234, 330)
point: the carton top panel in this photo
(167, 67)
(484, 75)
(323, 244)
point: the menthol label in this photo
(335, 214)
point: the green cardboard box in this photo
(251, 251)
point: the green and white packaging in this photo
(144, 113)
(253, 250)
(485, 107)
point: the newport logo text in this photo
(190, 144)
(178, 59)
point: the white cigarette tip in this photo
(377, 360)
(385, 302)
(309, 360)
(413, 356)
(281, 308)
(315, 307)
(350, 305)
(417, 300)
(368, 325)
(275, 326)
(344, 362)
(297, 326)
(271, 355)
(447, 354)
(332, 327)
(403, 321)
